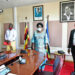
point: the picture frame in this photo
(38, 13)
(67, 11)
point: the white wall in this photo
(52, 9)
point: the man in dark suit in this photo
(71, 45)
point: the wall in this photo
(25, 11)
(52, 9)
(5, 17)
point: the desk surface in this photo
(9, 57)
(33, 61)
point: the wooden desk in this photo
(32, 63)
(9, 57)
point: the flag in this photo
(26, 37)
(48, 48)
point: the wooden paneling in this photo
(55, 33)
(22, 28)
(6, 26)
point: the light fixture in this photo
(7, 0)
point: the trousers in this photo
(73, 55)
(12, 46)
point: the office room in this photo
(37, 37)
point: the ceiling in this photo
(14, 3)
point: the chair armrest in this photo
(46, 64)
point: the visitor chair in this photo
(57, 66)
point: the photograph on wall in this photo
(38, 13)
(67, 11)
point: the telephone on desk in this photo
(21, 60)
(4, 70)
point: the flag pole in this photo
(48, 47)
(48, 22)
(26, 35)
(48, 18)
(26, 20)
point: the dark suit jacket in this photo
(64, 18)
(71, 39)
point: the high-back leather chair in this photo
(57, 66)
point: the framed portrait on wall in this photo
(38, 13)
(67, 10)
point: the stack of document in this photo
(4, 70)
(2, 67)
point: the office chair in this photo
(57, 66)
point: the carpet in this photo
(66, 69)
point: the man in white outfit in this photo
(10, 37)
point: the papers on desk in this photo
(11, 74)
(2, 67)
(4, 70)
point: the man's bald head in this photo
(10, 25)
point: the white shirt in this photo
(10, 35)
(68, 17)
(74, 39)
